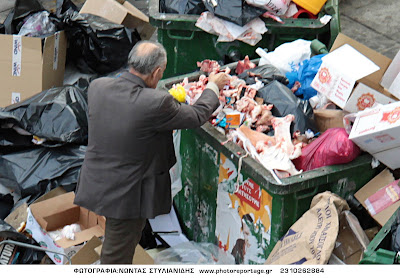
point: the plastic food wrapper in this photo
(236, 11)
(194, 253)
(279, 7)
(285, 103)
(93, 41)
(305, 75)
(38, 25)
(251, 33)
(13, 254)
(34, 172)
(21, 10)
(383, 198)
(58, 115)
(331, 148)
(182, 6)
(288, 56)
(351, 241)
(311, 240)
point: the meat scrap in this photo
(245, 64)
(208, 66)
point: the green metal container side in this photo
(186, 44)
(376, 252)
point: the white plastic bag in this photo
(38, 25)
(288, 56)
(278, 7)
(176, 170)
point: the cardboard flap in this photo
(135, 12)
(81, 237)
(59, 219)
(380, 60)
(87, 254)
(109, 9)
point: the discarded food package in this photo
(351, 241)
(194, 253)
(331, 148)
(236, 11)
(58, 115)
(35, 65)
(377, 131)
(182, 6)
(93, 41)
(13, 254)
(121, 12)
(33, 172)
(313, 6)
(55, 213)
(365, 196)
(347, 63)
(312, 238)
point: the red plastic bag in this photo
(332, 147)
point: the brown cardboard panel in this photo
(18, 216)
(59, 219)
(87, 254)
(382, 61)
(135, 12)
(92, 219)
(81, 237)
(84, 217)
(31, 49)
(102, 221)
(381, 180)
(53, 193)
(328, 118)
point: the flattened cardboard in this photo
(381, 180)
(87, 254)
(18, 216)
(328, 118)
(125, 14)
(36, 67)
(140, 258)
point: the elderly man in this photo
(125, 174)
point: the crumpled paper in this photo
(251, 33)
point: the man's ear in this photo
(156, 72)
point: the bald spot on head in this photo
(146, 48)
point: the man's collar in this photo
(133, 78)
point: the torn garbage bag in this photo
(56, 115)
(182, 6)
(35, 172)
(286, 103)
(236, 11)
(331, 148)
(96, 44)
(14, 254)
(266, 74)
(21, 10)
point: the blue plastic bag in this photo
(305, 75)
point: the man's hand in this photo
(221, 79)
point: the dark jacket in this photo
(125, 173)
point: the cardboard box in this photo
(343, 83)
(30, 65)
(391, 78)
(53, 214)
(391, 158)
(120, 12)
(377, 129)
(380, 181)
(328, 118)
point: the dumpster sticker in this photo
(243, 217)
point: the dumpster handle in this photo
(33, 247)
(180, 37)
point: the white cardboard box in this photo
(391, 78)
(377, 129)
(391, 158)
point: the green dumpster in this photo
(377, 251)
(186, 44)
(247, 216)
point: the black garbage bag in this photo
(182, 6)
(58, 115)
(14, 254)
(285, 103)
(96, 45)
(21, 10)
(395, 230)
(2, 29)
(236, 11)
(35, 172)
(6, 205)
(265, 73)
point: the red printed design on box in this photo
(324, 75)
(392, 116)
(365, 101)
(249, 192)
(383, 198)
(384, 138)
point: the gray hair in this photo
(145, 62)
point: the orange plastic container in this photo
(313, 6)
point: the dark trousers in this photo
(120, 240)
